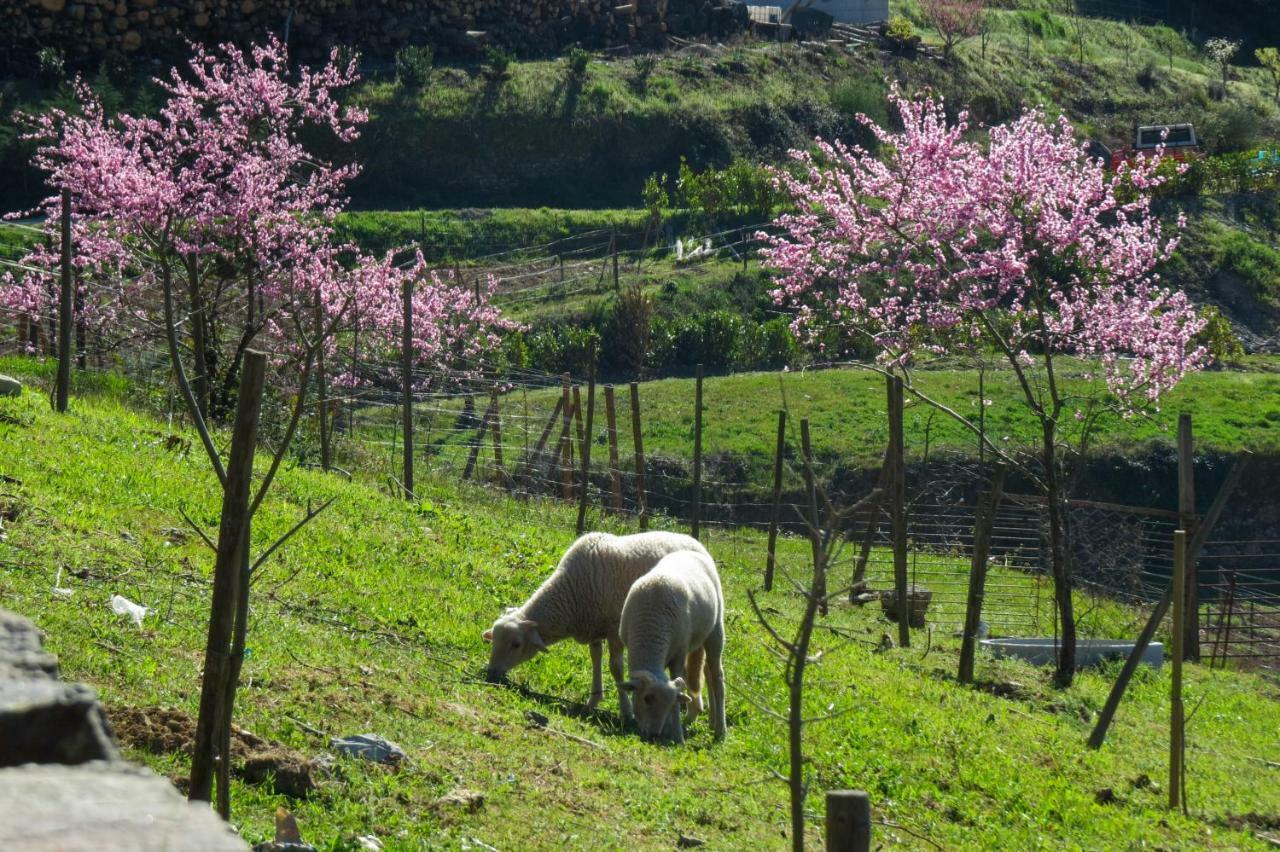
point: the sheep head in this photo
(658, 705)
(512, 640)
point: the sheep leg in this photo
(715, 679)
(693, 679)
(618, 669)
(597, 684)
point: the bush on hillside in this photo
(413, 65)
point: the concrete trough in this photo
(1089, 652)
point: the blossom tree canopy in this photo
(1025, 242)
(1024, 246)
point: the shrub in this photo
(768, 346)
(899, 29)
(1233, 127)
(413, 65)
(1255, 262)
(1218, 337)
(578, 61)
(862, 95)
(1147, 77)
(629, 330)
(51, 65)
(562, 349)
(497, 62)
(643, 70)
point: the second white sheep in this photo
(673, 618)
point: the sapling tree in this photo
(955, 20)
(1269, 59)
(1020, 245)
(1222, 51)
(210, 227)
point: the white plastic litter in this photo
(368, 746)
(123, 606)
(58, 590)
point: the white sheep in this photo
(673, 617)
(582, 600)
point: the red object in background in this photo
(1180, 143)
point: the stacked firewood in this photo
(90, 30)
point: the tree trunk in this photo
(1060, 561)
(199, 340)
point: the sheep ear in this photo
(536, 640)
(683, 699)
(629, 686)
(488, 635)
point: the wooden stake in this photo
(1176, 718)
(577, 424)
(983, 524)
(533, 462)
(585, 492)
(815, 534)
(848, 821)
(696, 507)
(1187, 520)
(566, 449)
(873, 523)
(642, 507)
(776, 509)
(497, 436)
(615, 474)
(898, 509)
(474, 455)
(62, 392)
(233, 534)
(1099, 735)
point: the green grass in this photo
(369, 621)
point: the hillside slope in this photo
(369, 621)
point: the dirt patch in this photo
(165, 730)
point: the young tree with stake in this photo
(217, 223)
(1023, 246)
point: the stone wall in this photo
(88, 31)
(63, 784)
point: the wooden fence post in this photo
(1187, 520)
(566, 410)
(848, 821)
(815, 534)
(1099, 735)
(233, 533)
(533, 461)
(772, 559)
(642, 507)
(1176, 717)
(869, 535)
(585, 495)
(62, 392)
(577, 424)
(615, 475)
(481, 430)
(406, 368)
(613, 243)
(898, 509)
(497, 435)
(982, 528)
(696, 507)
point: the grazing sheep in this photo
(582, 600)
(673, 617)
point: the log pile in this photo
(87, 31)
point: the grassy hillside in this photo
(369, 621)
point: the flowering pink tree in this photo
(955, 20)
(213, 224)
(1023, 246)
